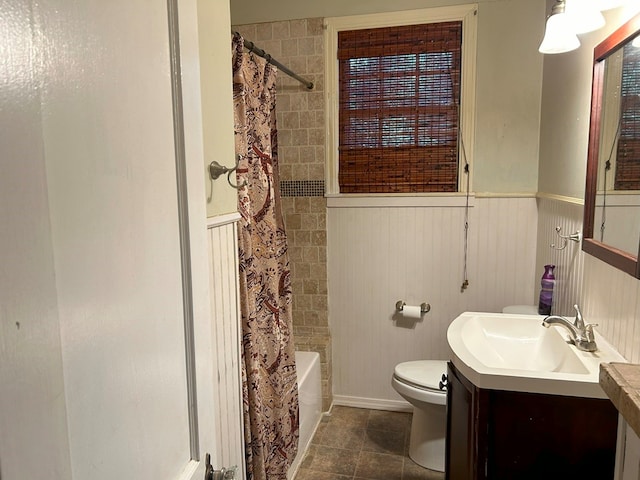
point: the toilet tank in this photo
(521, 309)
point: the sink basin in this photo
(515, 352)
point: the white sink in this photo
(515, 352)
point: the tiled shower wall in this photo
(299, 45)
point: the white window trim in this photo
(468, 14)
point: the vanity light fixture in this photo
(585, 15)
(570, 18)
(609, 4)
(559, 35)
(636, 42)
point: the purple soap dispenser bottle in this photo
(546, 291)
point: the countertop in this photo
(621, 383)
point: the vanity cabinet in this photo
(503, 435)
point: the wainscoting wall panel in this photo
(222, 233)
(611, 299)
(607, 296)
(502, 236)
(569, 261)
(380, 255)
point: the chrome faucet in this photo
(582, 335)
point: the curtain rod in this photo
(261, 53)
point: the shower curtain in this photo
(270, 392)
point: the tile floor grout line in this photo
(368, 446)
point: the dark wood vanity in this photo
(504, 435)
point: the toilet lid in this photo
(423, 373)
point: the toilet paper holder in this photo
(424, 307)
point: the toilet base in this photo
(428, 433)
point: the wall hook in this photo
(575, 237)
(215, 170)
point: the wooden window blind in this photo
(399, 93)
(628, 154)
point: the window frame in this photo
(468, 15)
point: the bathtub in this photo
(310, 400)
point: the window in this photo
(400, 101)
(399, 89)
(628, 154)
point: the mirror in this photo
(612, 193)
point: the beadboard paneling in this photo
(383, 254)
(611, 299)
(607, 296)
(569, 261)
(223, 269)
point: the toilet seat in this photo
(425, 374)
(420, 380)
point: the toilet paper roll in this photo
(411, 311)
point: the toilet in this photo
(418, 382)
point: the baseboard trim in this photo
(372, 403)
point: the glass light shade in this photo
(585, 15)
(559, 36)
(636, 42)
(609, 4)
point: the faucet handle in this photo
(578, 322)
(588, 330)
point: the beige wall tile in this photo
(293, 221)
(299, 28)
(281, 30)
(315, 27)
(301, 172)
(289, 48)
(290, 120)
(307, 46)
(263, 32)
(300, 137)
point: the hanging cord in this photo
(607, 168)
(465, 282)
(460, 145)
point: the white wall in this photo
(621, 220)
(214, 32)
(569, 262)
(508, 96)
(222, 235)
(415, 253)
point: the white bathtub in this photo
(310, 400)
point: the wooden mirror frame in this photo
(620, 259)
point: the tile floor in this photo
(359, 444)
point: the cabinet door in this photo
(459, 450)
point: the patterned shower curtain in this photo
(270, 392)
